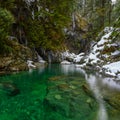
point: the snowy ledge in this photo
(65, 62)
(30, 64)
(98, 59)
(112, 69)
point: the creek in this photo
(60, 92)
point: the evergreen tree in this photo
(6, 19)
(45, 22)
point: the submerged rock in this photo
(66, 97)
(9, 88)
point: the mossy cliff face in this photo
(78, 34)
(16, 60)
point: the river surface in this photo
(60, 92)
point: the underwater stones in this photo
(9, 88)
(58, 102)
(72, 87)
(113, 100)
(75, 93)
(64, 87)
(87, 90)
(75, 83)
(65, 96)
(55, 78)
(58, 97)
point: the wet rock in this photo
(9, 88)
(64, 87)
(65, 96)
(16, 60)
(58, 97)
(56, 78)
(87, 90)
(113, 100)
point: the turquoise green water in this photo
(54, 93)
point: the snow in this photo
(78, 58)
(80, 65)
(30, 64)
(42, 61)
(105, 56)
(28, 2)
(108, 29)
(113, 1)
(97, 56)
(112, 68)
(104, 39)
(65, 62)
(115, 53)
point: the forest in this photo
(37, 23)
(60, 59)
(48, 28)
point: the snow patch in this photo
(30, 64)
(65, 62)
(112, 69)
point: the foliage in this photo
(97, 12)
(7, 4)
(45, 27)
(6, 19)
(41, 22)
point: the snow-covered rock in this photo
(78, 58)
(42, 61)
(68, 56)
(112, 69)
(98, 52)
(65, 62)
(101, 55)
(30, 64)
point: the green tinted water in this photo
(54, 93)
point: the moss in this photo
(108, 50)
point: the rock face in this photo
(50, 56)
(16, 60)
(77, 39)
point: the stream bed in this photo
(59, 92)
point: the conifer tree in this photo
(6, 19)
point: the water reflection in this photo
(67, 68)
(71, 68)
(92, 81)
(30, 70)
(110, 83)
(98, 84)
(41, 69)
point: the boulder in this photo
(9, 88)
(17, 59)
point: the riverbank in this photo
(104, 56)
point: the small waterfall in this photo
(40, 59)
(33, 15)
(49, 58)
